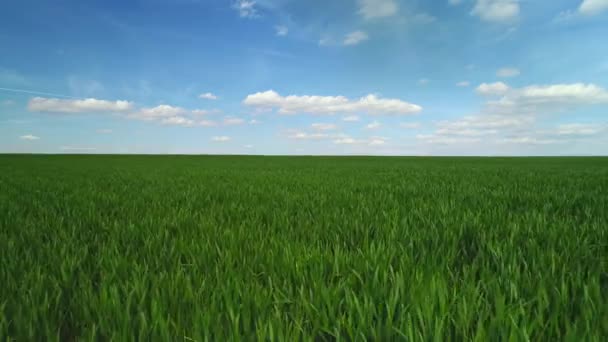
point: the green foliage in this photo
(301, 248)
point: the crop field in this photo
(222, 248)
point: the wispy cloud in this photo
(373, 9)
(496, 10)
(281, 30)
(222, 138)
(507, 72)
(29, 137)
(246, 8)
(355, 38)
(208, 96)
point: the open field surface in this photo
(169, 248)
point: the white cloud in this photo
(254, 122)
(207, 123)
(29, 137)
(246, 8)
(497, 88)
(592, 7)
(222, 138)
(527, 140)
(483, 122)
(472, 129)
(350, 118)
(376, 141)
(575, 93)
(281, 30)
(307, 136)
(293, 104)
(496, 10)
(423, 81)
(324, 126)
(158, 112)
(324, 41)
(355, 38)
(445, 140)
(373, 125)
(410, 125)
(104, 131)
(507, 72)
(346, 140)
(232, 121)
(41, 104)
(178, 121)
(463, 84)
(371, 9)
(208, 96)
(200, 112)
(579, 129)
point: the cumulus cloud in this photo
(157, 113)
(208, 96)
(254, 122)
(221, 138)
(507, 72)
(246, 8)
(355, 38)
(324, 126)
(281, 30)
(29, 137)
(593, 7)
(496, 10)
(293, 104)
(497, 88)
(91, 105)
(463, 84)
(350, 118)
(371, 9)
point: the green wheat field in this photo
(237, 248)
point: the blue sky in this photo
(382, 77)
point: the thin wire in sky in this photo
(33, 92)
